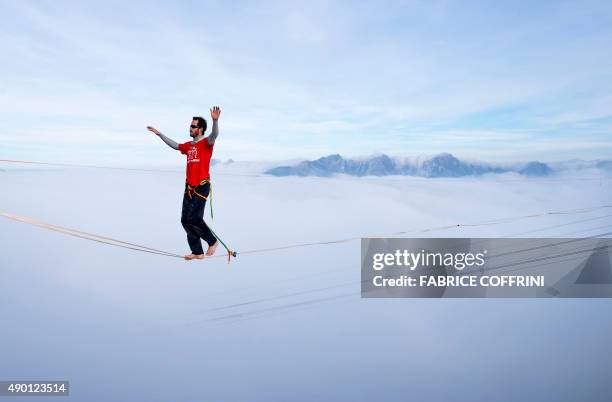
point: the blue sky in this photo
(80, 81)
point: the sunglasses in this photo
(192, 126)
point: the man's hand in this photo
(153, 130)
(215, 112)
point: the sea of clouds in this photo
(286, 324)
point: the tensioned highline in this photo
(146, 249)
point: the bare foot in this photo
(211, 249)
(194, 257)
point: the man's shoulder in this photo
(204, 143)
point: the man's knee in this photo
(191, 221)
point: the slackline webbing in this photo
(137, 247)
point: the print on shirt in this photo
(192, 155)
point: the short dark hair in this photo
(201, 122)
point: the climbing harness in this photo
(191, 190)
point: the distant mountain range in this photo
(442, 165)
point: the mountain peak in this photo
(441, 165)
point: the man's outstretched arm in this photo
(172, 144)
(215, 112)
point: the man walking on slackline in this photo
(197, 187)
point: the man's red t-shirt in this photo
(198, 160)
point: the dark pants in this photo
(192, 218)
